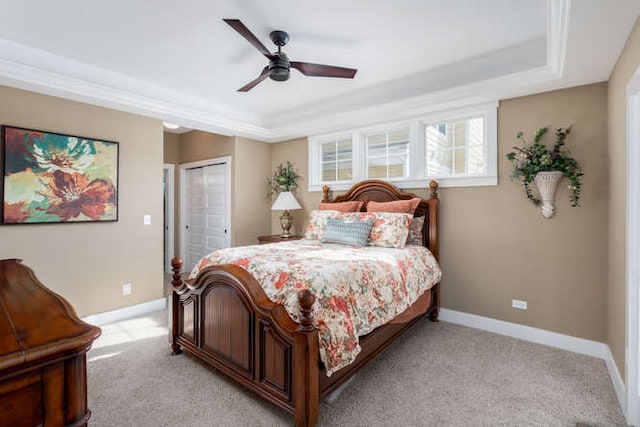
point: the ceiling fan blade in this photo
(320, 70)
(247, 34)
(263, 75)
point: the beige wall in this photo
(197, 145)
(510, 251)
(171, 148)
(88, 263)
(172, 156)
(296, 151)
(627, 64)
(251, 206)
(496, 246)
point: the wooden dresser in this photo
(43, 346)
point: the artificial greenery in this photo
(285, 178)
(533, 158)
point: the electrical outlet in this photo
(516, 303)
(146, 219)
(126, 289)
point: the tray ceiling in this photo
(179, 61)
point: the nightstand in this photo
(276, 238)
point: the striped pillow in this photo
(354, 233)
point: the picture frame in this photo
(49, 177)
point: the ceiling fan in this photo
(279, 65)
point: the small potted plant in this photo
(544, 167)
(285, 178)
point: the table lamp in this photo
(286, 202)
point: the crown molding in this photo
(32, 69)
(28, 68)
(558, 13)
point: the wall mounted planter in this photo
(547, 182)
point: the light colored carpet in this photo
(437, 374)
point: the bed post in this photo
(325, 194)
(433, 202)
(306, 371)
(434, 245)
(177, 285)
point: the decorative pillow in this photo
(317, 223)
(353, 206)
(415, 231)
(354, 233)
(405, 206)
(389, 229)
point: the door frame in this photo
(169, 212)
(632, 353)
(183, 198)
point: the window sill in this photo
(444, 182)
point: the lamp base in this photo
(286, 221)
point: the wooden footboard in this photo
(225, 318)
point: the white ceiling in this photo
(179, 61)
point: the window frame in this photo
(336, 141)
(378, 129)
(315, 160)
(417, 150)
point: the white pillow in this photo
(389, 229)
(317, 223)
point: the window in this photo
(337, 160)
(456, 151)
(388, 154)
(456, 147)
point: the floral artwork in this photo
(50, 177)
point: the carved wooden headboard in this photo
(382, 191)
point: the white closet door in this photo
(207, 224)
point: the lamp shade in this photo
(286, 202)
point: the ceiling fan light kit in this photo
(279, 68)
(279, 65)
(171, 126)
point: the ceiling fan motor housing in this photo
(279, 67)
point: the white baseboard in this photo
(618, 383)
(107, 317)
(540, 336)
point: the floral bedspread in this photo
(357, 289)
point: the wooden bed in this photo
(223, 317)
